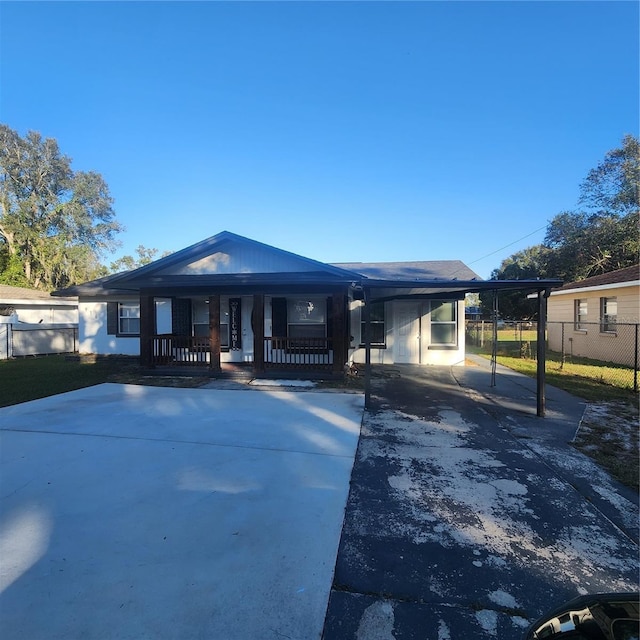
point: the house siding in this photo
(95, 338)
(240, 259)
(426, 353)
(590, 342)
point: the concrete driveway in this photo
(144, 512)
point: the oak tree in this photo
(54, 221)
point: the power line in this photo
(506, 246)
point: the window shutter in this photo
(112, 318)
(181, 316)
(279, 317)
(330, 317)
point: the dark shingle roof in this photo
(420, 270)
(21, 293)
(629, 274)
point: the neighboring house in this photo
(229, 299)
(592, 318)
(34, 323)
(36, 307)
(473, 313)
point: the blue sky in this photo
(342, 131)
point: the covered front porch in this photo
(283, 331)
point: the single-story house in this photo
(34, 323)
(229, 301)
(597, 317)
(18, 304)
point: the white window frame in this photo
(128, 312)
(608, 320)
(440, 323)
(580, 309)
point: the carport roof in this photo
(264, 282)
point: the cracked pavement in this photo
(468, 517)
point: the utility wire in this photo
(506, 246)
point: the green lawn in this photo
(611, 438)
(26, 379)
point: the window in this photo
(306, 317)
(376, 322)
(443, 323)
(129, 318)
(608, 314)
(580, 315)
(200, 310)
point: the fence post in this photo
(635, 363)
(541, 352)
(562, 357)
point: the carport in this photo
(384, 290)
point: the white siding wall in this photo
(242, 259)
(449, 357)
(93, 337)
(46, 313)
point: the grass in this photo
(25, 379)
(585, 378)
(612, 442)
(609, 429)
(609, 434)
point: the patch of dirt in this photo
(609, 434)
(159, 381)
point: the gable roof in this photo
(620, 276)
(180, 262)
(210, 263)
(227, 261)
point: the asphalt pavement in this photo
(469, 516)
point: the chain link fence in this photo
(608, 353)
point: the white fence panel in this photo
(39, 339)
(5, 341)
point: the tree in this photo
(55, 221)
(613, 187)
(527, 264)
(602, 235)
(11, 271)
(143, 256)
(584, 245)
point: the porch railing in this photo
(279, 353)
(180, 351)
(298, 353)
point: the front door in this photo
(407, 333)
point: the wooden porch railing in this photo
(279, 353)
(180, 351)
(298, 353)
